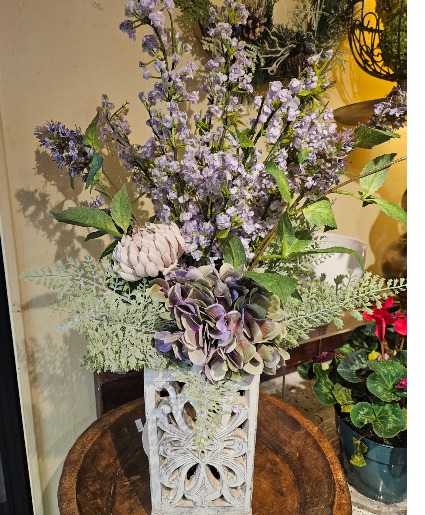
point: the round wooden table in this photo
(296, 469)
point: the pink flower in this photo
(401, 384)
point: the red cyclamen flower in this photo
(400, 325)
(382, 317)
(401, 384)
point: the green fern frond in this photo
(117, 320)
(321, 303)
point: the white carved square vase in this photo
(218, 479)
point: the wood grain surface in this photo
(296, 470)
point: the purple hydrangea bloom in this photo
(225, 325)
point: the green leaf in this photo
(390, 209)
(87, 217)
(281, 181)
(121, 209)
(387, 419)
(373, 182)
(287, 239)
(401, 357)
(343, 395)
(94, 235)
(90, 136)
(359, 449)
(368, 137)
(353, 363)
(323, 386)
(303, 154)
(223, 233)
(95, 166)
(233, 250)
(320, 213)
(305, 371)
(244, 140)
(281, 285)
(362, 414)
(386, 375)
(108, 249)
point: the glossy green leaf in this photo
(320, 213)
(374, 181)
(87, 217)
(90, 136)
(286, 238)
(359, 449)
(121, 209)
(390, 209)
(387, 374)
(109, 249)
(95, 235)
(362, 414)
(233, 250)
(281, 181)
(323, 386)
(401, 357)
(389, 421)
(352, 364)
(305, 371)
(369, 137)
(95, 167)
(281, 285)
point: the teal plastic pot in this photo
(384, 477)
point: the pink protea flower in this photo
(149, 251)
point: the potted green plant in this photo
(366, 381)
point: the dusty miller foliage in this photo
(117, 321)
(320, 303)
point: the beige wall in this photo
(57, 58)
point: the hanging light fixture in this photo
(378, 42)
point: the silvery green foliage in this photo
(210, 401)
(118, 321)
(320, 303)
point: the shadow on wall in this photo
(55, 378)
(36, 206)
